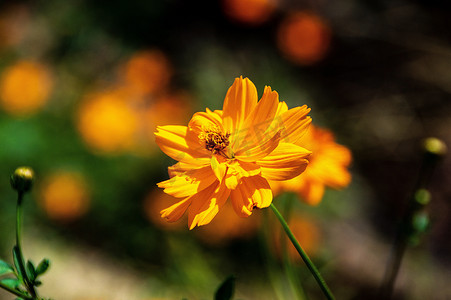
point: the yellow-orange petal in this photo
(285, 162)
(202, 121)
(281, 108)
(181, 168)
(294, 123)
(312, 192)
(238, 169)
(251, 192)
(206, 205)
(240, 100)
(231, 181)
(330, 172)
(258, 122)
(257, 150)
(176, 211)
(180, 144)
(189, 183)
(219, 167)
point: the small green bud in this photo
(422, 197)
(22, 179)
(435, 146)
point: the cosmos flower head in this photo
(233, 153)
(328, 167)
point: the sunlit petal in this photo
(206, 205)
(250, 193)
(285, 162)
(256, 151)
(294, 123)
(189, 183)
(176, 142)
(176, 211)
(240, 100)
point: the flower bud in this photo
(434, 146)
(22, 179)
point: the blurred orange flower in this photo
(328, 166)
(233, 152)
(252, 12)
(306, 232)
(148, 72)
(228, 226)
(304, 38)
(65, 196)
(107, 122)
(25, 87)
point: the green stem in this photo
(15, 292)
(289, 270)
(322, 284)
(27, 282)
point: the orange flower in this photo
(24, 88)
(327, 167)
(107, 122)
(148, 71)
(65, 196)
(304, 38)
(232, 152)
(252, 12)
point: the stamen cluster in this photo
(215, 141)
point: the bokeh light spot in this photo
(107, 123)
(65, 196)
(304, 38)
(25, 88)
(148, 72)
(251, 12)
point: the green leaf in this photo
(31, 271)
(5, 268)
(11, 283)
(42, 267)
(17, 263)
(226, 289)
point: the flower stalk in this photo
(322, 284)
(25, 276)
(415, 220)
(18, 248)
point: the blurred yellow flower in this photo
(328, 166)
(304, 38)
(24, 88)
(107, 122)
(147, 72)
(232, 152)
(65, 196)
(252, 12)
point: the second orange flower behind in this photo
(233, 152)
(328, 166)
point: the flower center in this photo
(215, 141)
